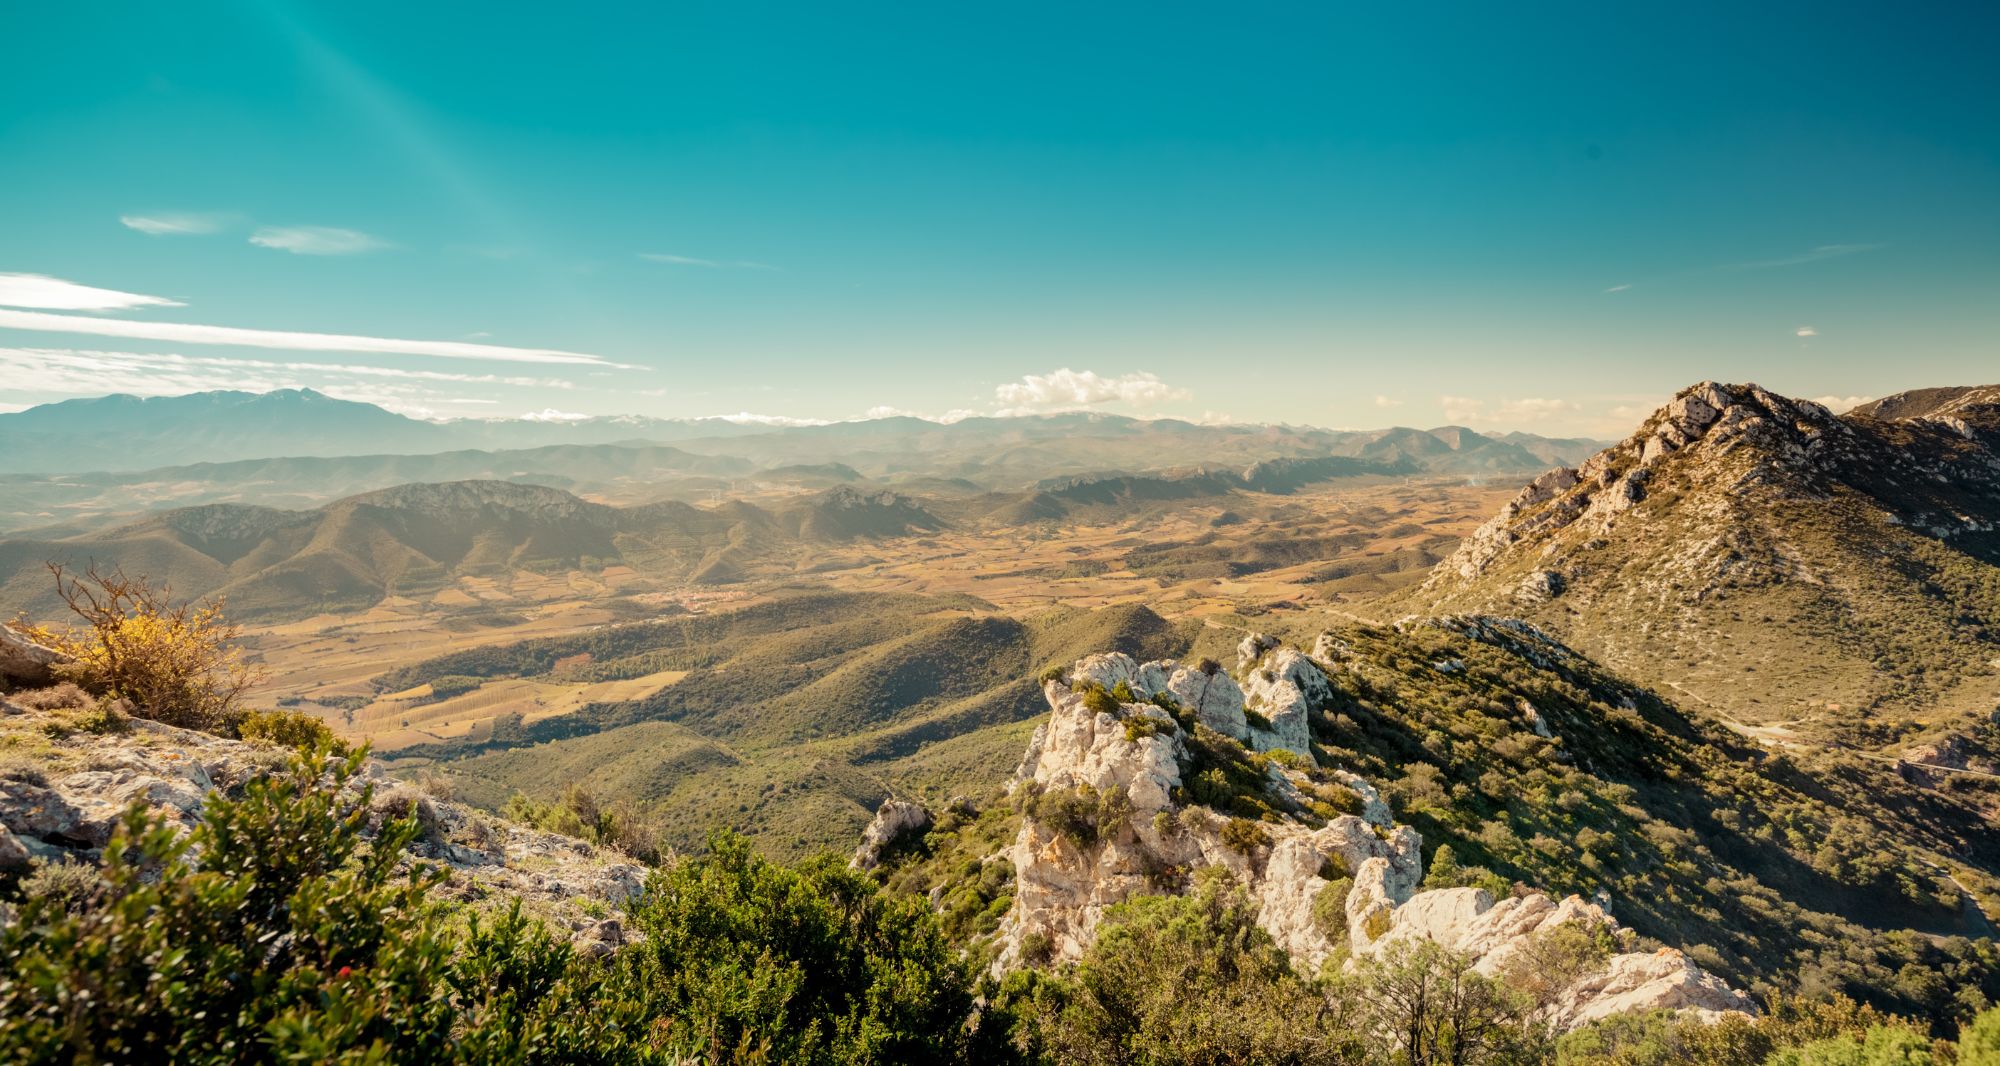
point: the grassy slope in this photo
(1791, 870)
(799, 716)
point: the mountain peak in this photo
(1733, 503)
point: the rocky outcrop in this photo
(68, 802)
(1266, 711)
(1139, 754)
(1131, 760)
(894, 820)
(24, 662)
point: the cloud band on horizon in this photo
(191, 333)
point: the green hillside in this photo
(797, 718)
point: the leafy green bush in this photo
(1097, 700)
(270, 931)
(812, 965)
(1244, 835)
(1082, 814)
(288, 729)
(1329, 909)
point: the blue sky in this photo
(1544, 217)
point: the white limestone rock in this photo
(894, 820)
(1285, 687)
(1214, 697)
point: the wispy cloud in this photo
(1841, 404)
(47, 373)
(316, 240)
(40, 290)
(173, 223)
(1068, 390)
(1618, 288)
(1811, 255)
(689, 260)
(1386, 402)
(1805, 331)
(190, 333)
(678, 260)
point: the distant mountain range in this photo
(77, 466)
(131, 433)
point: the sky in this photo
(1545, 217)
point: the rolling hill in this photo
(796, 717)
(414, 539)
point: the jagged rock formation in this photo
(69, 800)
(24, 662)
(1134, 758)
(1839, 533)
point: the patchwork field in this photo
(1241, 555)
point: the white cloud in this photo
(1618, 288)
(746, 418)
(1805, 331)
(550, 414)
(1841, 404)
(1386, 402)
(1465, 410)
(172, 224)
(316, 240)
(959, 414)
(1811, 255)
(1068, 390)
(189, 333)
(677, 261)
(39, 290)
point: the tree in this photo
(1437, 1012)
(175, 662)
(1180, 979)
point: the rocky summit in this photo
(1762, 554)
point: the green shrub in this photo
(1244, 835)
(1099, 701)
(288, 729)
(1329, 909)
(67, 886)
(811, 965)
(1082, 814)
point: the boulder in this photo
(24, 662)
(894, 820)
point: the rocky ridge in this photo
(1332, 834)
(1714, 445)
